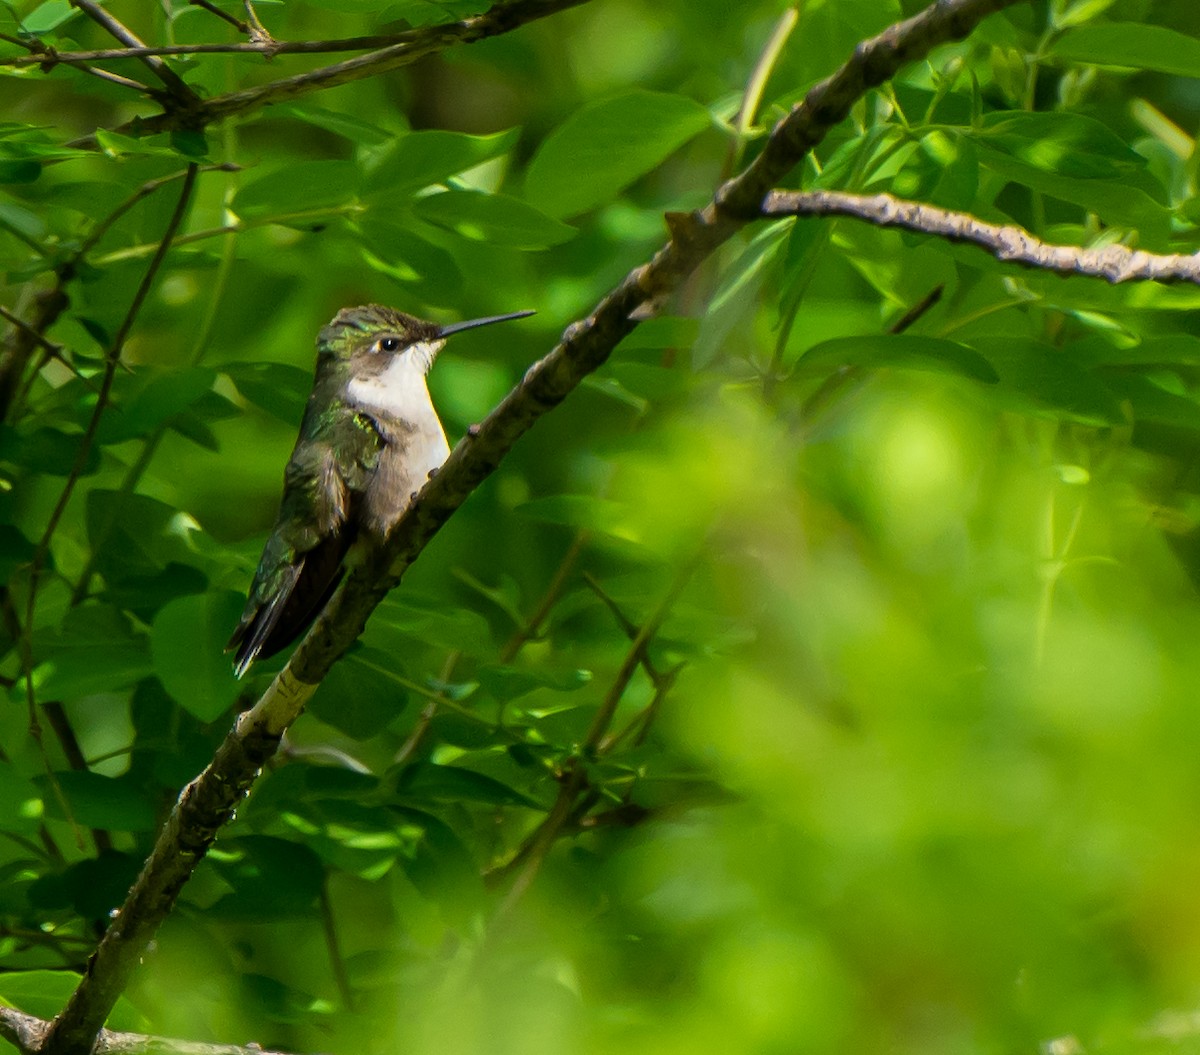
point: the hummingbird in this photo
(369, 439)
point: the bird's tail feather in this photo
(258, 630)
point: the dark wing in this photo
(301, 564)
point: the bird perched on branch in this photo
(369, 440)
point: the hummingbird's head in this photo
(372, 337)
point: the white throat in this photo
(399, 391)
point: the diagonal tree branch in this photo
(1009, 243)
(208, 802)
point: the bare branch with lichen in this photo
(1008, 243)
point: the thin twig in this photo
(41, 54)
(16, 350)
(258, 32)
(917, 311)
(399, 50)
(844, 376)
(174, 84)
(212, 8)
(270, 47)
(240, 47)
(644, 719)
(1008, 243)
(52, 350)
(85, 445)
(534, 849)
(558, 583)
(337, 963)
(428, 713)
(627, 625)
(56, 715)
(135, 252)
(144, 191)
(633, 658)
(757, 84)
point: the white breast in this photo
(399, 395)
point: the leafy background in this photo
(913, 767)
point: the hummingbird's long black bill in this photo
(458, 327)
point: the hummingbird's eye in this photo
(389, 344)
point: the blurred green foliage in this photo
(912, 767)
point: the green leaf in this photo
(166, 394)
(441, 867)
(15, 550)
(23, 171)
(424, 781)
(1069, 144)
(1038, 378)
(1139, 45)
(1079, 12)
(1151, 402)
(508, 682)
(360, 695)
(345, 125)
(135, 534)
(579, 511)
(288, 195)
(736, 298)
(187, 642)
(420, 159)
(663, 331)
(506, 595)
(191, 144)
(493, 218)
(271, 877)
(44, 993)
(144, 595)
(1114, 201)
(20, 801)
(18, 218)
(1179, 349)
(48, 16)
(47, 450)
(417, 264)
(279, 389)
(435, 622)
(109, 803)
(92, 887)
(433, 12)
(904, 351)
(95, 649)
(604, 146)
(116, 145)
